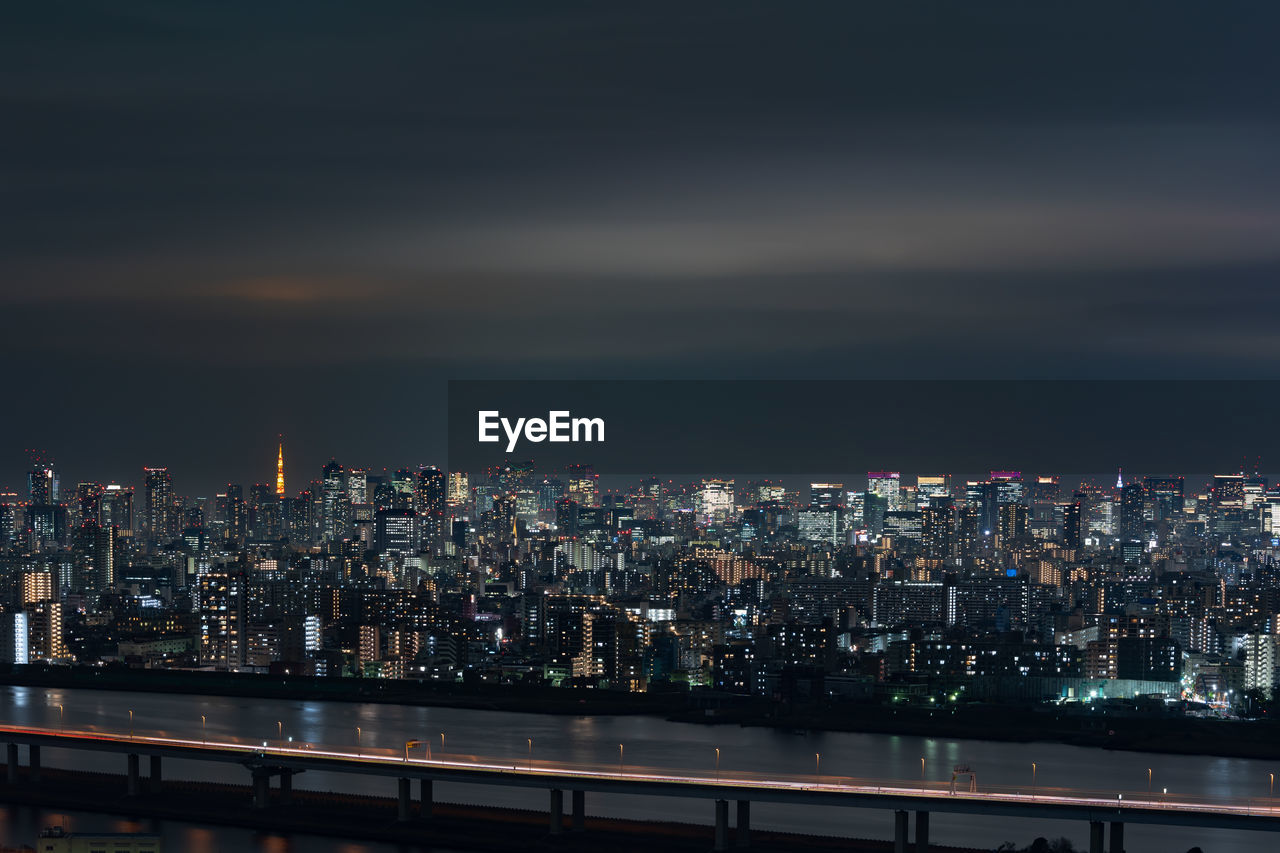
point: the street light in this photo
(530, 754)
(62, 717)
(817, 766)
(1033, 779)
(1148, 781)
(358, 742)
(717, 764)
(280, 729)
(442, 743)
(922, 769)
(204, 738)
(619, 759)
(130, 724)
(1273, 784)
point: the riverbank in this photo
(1005, 723)
(481, 829)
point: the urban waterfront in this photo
(647, 742)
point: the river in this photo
(646, 741)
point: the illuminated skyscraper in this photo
(888, 485)
(583, 485)
(932, 486)
(1227, 505)
(117, 509)
(158, 486)
(335, 507)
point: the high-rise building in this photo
(888, 485)
(158, 491)
(1132, 513)
(1227, 506)
(1072, 524)
(42, 485)
(117, 509)
(335, 507)
(715, 501)
(222, 597)
(583, 485)
(1009, 488)
(930, 486)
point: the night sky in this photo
(224, 223)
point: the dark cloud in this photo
(221, 222)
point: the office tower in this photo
(503, 518)
(117, 509)
(1072, 523)
(404, 487)
(432, 491)
(1132, 508)
(358, 486)
(88, 503)
(459, 491)
(550, 491)
(396, 531)
(983, 496)
(264, 513)
(10, 518)
(158, 493)
(222, 598)
(1165, 495)
(930, 486)
(888, 485)
(42, 486)
(874, 507)
(335, 508)
(237, 514)
(1227, 506)
(1009, 489)
(714, 503)
(1254, 490)
(825, 495)
(583, 484)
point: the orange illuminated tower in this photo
(280, 470)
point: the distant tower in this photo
(1119, 478)
(280, 470)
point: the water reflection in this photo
(647, 742)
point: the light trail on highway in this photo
(564, 774)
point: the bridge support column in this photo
(742, 838)
(1095, 836)
(427, 796)
(13, 764)
(34, 753)
(722, 826)
(1117, 837)
(922, 832)
(134, 787)
(900, 831)
(579, 811)
(155, 782)
(557, 811)
(261, 789)
(402, 813)
(286, 787)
